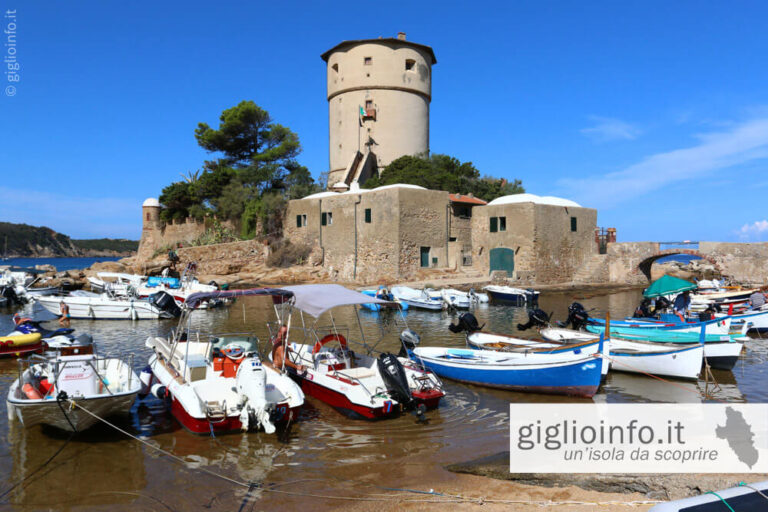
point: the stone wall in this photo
(518, 236)
(624, 258)
(158, 235)
(423, 217)
(560, 251)
(742, 262)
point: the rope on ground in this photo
(440, 498)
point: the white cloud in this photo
(754, 230)
(78, 217)
(608, 129)
(743, 143)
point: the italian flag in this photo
(362, 112)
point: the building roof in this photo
(151, 201)
(402, 42)
(533, 198)
(458, 198)
(328, 193)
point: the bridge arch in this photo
(647, 263)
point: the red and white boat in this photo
(218, 383)
(356, 384)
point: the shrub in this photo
(283, 253)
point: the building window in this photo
(367, 215)
(368, 105)
(424, 253)
(502, 223)
(326, 219)
(147, 215)
(494, 224)
(368, 61)
(462, 211)
(335, 67)
(410, 64)
(301, 221)
(573, 223)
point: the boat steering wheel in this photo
(234, 351)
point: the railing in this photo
(604, 236)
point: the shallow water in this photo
(323, 453)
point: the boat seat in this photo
(357, 373)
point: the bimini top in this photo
(195, 299)
(316, 299)
(533, 198)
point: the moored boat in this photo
(417, 298)
(510, 294)
(218, 384)
(356, 384)
(562, 374)
(92, 306)
(70, 370)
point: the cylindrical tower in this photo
(150, 212)
(379, 92)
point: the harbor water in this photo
(323, 457)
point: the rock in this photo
(45, 268)
(108, 266)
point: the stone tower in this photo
(152, 228)
(379, 92)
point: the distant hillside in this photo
(22, 240)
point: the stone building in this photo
(397, 231)
(379, 91)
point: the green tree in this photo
(444, 172)
(262, 152)
(177, 198)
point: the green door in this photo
(503, 259)
(425, 257)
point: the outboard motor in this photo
(577, 317)
(393, 374)
(467, 322)
(251, 380)
(166, 303)
(409, 340)
(10, 293)
(536, 318)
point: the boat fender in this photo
(31, 393)
(159, 391)
(146, 381)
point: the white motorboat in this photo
(419, 299)
(85, 305)
(356, 384)
(456, 298)
(218, 383)
(68, 371)
(115, 283)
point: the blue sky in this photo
(655, 113)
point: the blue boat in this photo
(510, 294)
(560, 374)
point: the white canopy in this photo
(316, 299)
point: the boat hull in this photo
(663, 361)
(96, 309)
(49, 412)
(579, 378)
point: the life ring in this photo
(330, 337)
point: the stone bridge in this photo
(630, 262)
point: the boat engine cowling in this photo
(577, 317)
(251, 381)
(467, 322)
(393, 374)
(409, 339)
(166, 303)
(536, 318)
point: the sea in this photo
(324, 459)
(61, 264)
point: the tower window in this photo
(410, 64)
(301, 221)
(147, 215)
(335, 67)
(368, 61)
(573, 223)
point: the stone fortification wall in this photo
(742, 262)
(159, 235)
(623, 260)
(560, 250)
